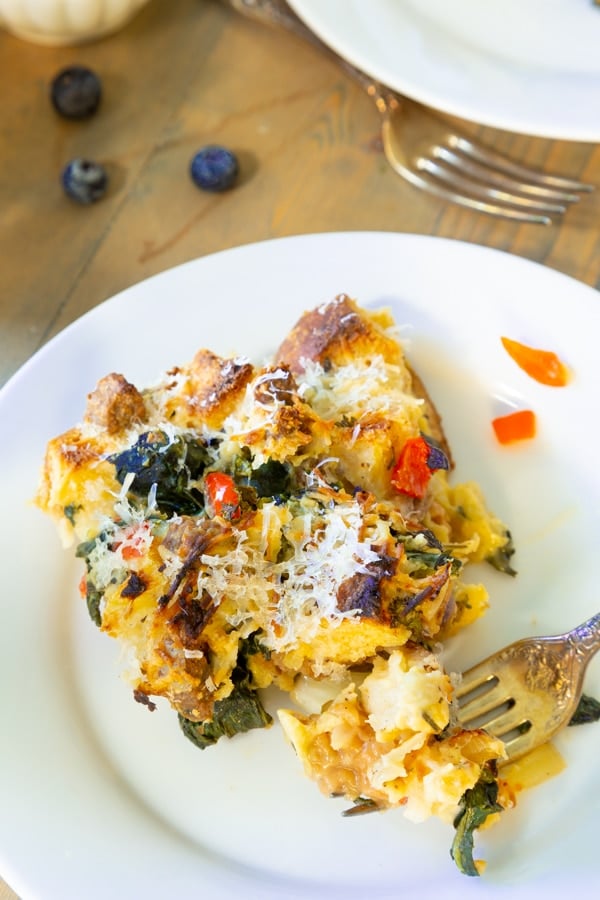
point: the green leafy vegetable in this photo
(423, 562)
(71, 511)
(93, 596)
(172, 464)
(501, 559)
(423, 553)
(476, 805)
(588, 710)
(272, 479)
(241, 711)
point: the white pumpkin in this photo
(65, 21)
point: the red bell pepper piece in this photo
(418, 460)
(222, 495)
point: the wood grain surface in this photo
(185, 73)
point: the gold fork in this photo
(424, 150)
(528, 691)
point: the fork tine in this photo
(438, 182)
(479, 677)
(483, 703)
(477, 189)
(519, 745)
(484, 206)
(483, 709)
(510, 720)
(498, 161)
(484, 173)
(445, 193)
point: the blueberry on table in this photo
(84, 181)
(75, 92)
(214, 168)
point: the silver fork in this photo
(526, 692)
(423, 149)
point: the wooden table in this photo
(191, 72)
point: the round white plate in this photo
(101, 798)
(531, 66)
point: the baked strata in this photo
(291, 525)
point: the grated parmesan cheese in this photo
(290, 599)
(353, 390)
(252, 415)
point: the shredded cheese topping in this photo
(290, 599)
(353, 390)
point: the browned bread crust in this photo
(334, 334)
(339, 333)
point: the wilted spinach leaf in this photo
(241, 711)
(93, 596)
(172, 464)
(501, 558)
(588, 710)
(476, 805)
(272, 479)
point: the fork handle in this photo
(278, 13)
(585, 639)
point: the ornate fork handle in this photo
(560, 661)
(585, 639)
(278, 13)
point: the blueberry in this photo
(84, 181)
(75, 92)
(214, 168)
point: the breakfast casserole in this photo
(292, 525)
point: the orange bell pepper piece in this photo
(516, 426)
(542, 365)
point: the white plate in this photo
(100, 798)
(531, 66)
